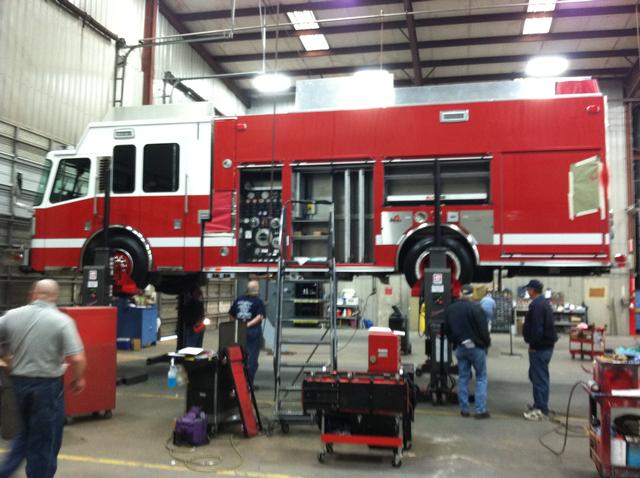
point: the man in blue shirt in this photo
(539, 332)
(488, 305)
(249, 308)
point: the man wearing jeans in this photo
(468, 331)
(39, 339)
(539, 332)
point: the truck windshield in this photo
(72, 180)
(42, 185)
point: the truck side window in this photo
(124, 168)
(161, 168)
(72, 180)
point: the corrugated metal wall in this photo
(182, 61)
(57, 76)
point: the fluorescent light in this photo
(547, 66)
(314, 42)
(303, 20)
(541, 6)
(272, 82)
(533, 26)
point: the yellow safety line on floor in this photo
(157, 466)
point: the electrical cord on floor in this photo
(564, 428)
(201, 462)
(355, 330)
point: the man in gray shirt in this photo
(41, 342)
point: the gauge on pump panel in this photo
(275, 223)
(251, 195)
(265, 195)
(262, 237)
(255, 222)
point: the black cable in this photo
(364, 308)
(564, 425)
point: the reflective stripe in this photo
(584, 239)
(209, 241)
(57, 243)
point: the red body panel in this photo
(97, 329)
(531, 142)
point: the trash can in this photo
(399, 321)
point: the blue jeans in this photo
(539, 376)
(254, 343)
(41, 407)
(476, 358)
(191, 338)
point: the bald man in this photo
(41, 342)
(249, 308)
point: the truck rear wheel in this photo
(459, 260)
(127, 252)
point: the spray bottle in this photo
(172, 375)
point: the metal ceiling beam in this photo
(432, 44)
(486, 60)
(205, 55)
(413, 41)
(252, 12)
(332, 29)
(632, 82)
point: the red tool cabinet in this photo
(97, 329)
(615, 388)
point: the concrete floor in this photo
(132, 442)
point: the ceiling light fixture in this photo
(314, 42)
(271, 83)
(536, 6)
(537, 25)
(547, 66)
(303, 20)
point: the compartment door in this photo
(552, 206)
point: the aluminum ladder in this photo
(314, 277)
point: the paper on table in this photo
(191, 351)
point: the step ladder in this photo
(306, 294)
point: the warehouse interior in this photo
(406, 143)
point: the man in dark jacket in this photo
(539, 332)
(468, 331)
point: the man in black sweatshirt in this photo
(539, 332)
(468, 331)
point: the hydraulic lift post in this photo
(436, 297)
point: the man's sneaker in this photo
(534, 415)
(480, 416)
(465, 414)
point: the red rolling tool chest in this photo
(97, 329)
(614, 392)
(373, 408)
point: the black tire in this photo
(456, 248)
(131, 246)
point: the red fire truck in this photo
(524, 184)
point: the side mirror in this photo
(17, 192)
(17, 185)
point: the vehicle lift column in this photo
(436, 297)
